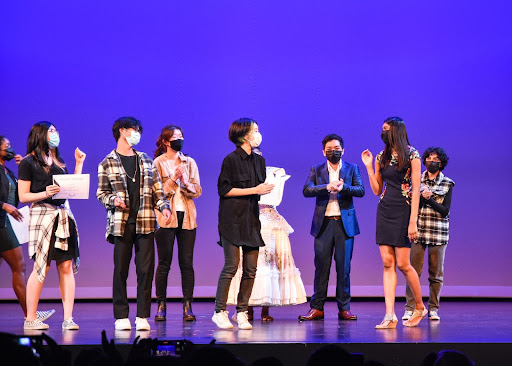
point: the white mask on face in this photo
(256, 139)
(133, 139)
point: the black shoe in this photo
(161, 312)
(188, 315)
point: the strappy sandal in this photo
(416, 318)
(389, 322)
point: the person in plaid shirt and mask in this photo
(433, 227)
(130, 188)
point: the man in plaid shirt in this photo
(129, 187)
(433, 228)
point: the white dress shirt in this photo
(333, 207)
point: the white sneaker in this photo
(432, 315)
(407, 315)
(123, 324)
(221, 319)
(142, 324)
(69, 324)
(43, 315)
(35, 324)
(243, 320)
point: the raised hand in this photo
(79, 156)
(367, 157)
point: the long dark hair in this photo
(398, 141)
(37, 145)
(165, 135)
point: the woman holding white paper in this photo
(53, 233)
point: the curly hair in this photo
(441, 154)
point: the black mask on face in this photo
(177, 145)
(9, 154)
(333, 156)
(433, 166)
(384, 135)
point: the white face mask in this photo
(54, 140)
(133, 139)
(256, 139)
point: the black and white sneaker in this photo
(43, 315)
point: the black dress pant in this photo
(330, 240)
(144, 264)
(165, 245)
(231, 260)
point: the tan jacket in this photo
(189, 186)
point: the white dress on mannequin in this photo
(278, 280)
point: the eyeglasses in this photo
(53, 130)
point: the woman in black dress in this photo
(53, 234)
(399, 166)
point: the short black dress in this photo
(394, 209)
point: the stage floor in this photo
(470, 323)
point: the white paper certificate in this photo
(72, 186)
(21, 228)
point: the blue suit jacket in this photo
(316, 186)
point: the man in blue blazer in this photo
(334, 226)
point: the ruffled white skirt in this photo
(278, 281)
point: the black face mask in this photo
(333, 156)
(177, 145)
(433, 166)
(384, 135)
(9, 154)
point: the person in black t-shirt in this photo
(52, 230)
(241, 182)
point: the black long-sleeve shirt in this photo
(444, 208)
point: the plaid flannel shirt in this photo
(41, 223)
(112, 184)
(433, 229)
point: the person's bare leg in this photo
(411, 276)
(387, 254)
(67, 287)
(34, 287)
(14, 259)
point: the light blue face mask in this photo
(54, 140)
(133, 139)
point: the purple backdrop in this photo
(301, 71)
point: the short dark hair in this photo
(331, 137)
(239, 129)
(125, 122)
(441, 154)
(2, 138)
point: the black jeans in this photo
(231, 260)
(165, 245)
(145, 266)
(330, 240)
